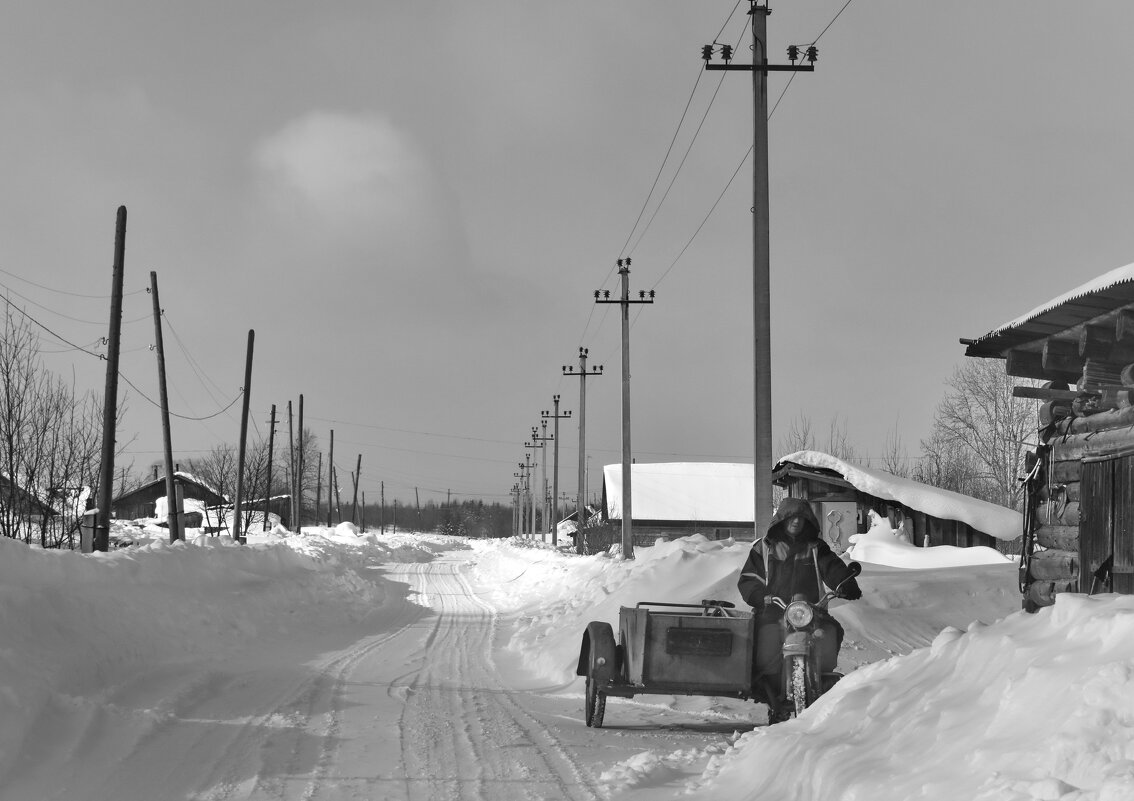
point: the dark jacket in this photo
(791, 562)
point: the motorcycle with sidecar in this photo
(701, 649)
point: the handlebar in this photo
(855, 569)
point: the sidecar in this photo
(670, 649)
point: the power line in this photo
(408, 431)
(65, 292)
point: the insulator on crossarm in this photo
(813, 54)
(706, 52)
(726, 52)
(793, 53)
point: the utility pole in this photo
(330, 478)
(382, 506)
(237, 522)
(515, 507)
(580, 504)
(100, 534)
(762, 334)
(299, 470)
(268, 488)
(624, 302)
(356, 475)
(364, 511)
(543, 440)
(318, 487)
(523, 476)
(291, 456)
(534, 447)
(172, 507)
(556, 416)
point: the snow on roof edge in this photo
(997, 521)
(1119, 275)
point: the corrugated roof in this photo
(1091, 302)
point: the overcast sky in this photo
(412, 203)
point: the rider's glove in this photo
(850, 591)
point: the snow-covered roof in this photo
(693, 491)
(996, 521)
(1099, 296)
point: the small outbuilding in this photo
(1079, 530)
(142, 502)
(842, 495)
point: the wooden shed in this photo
(142, 502)
(843, 494)
(21, 504)
(1079, 528)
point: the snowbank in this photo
(76, 625)
(1035, 707)
(881, 546)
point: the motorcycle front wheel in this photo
(798, 680)
(595, 704)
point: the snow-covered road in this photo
(418, 702)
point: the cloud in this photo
(351, 174)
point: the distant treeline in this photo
(462, 519)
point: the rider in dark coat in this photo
(791, 559)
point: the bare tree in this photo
(895, 460)
(979, 434)
(799, 436)
(49, 443)
(838, 443)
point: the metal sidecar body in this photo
(670, 649)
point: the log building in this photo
(1079, 515)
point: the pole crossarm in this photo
(763, 67)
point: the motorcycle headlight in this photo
(799, 614)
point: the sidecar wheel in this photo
(595, 704)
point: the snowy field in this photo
(951, 692)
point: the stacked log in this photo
(1094, 418)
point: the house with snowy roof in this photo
(843, 494)
(676, 499)
(1080, 490)
(143, 501)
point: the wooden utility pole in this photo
(363, 525)
(268, 488)
(100, 534)
(172, 506)
(543, 440)
(580, 505)
(762, 334)
(382, 506)
(338, 494)
(556, 416)
(417, 507)
(237, 521)
(318, 487)
(301, 448)
(291, 462)
(330, 478)
(543, 466)
(624, 302)
(356, 476)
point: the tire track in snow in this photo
(465, 735)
